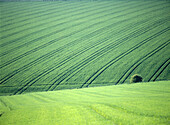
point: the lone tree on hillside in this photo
(136, 78)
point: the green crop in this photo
(128, 104)
(48, 46)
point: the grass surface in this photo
(132, 104)
(48, 46)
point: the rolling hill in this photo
(48, 46)
(135, 104)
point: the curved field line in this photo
(27, 43)
(46, 18)
(10, 5)
(51, 42)
(106, 66)
(59, 65)
(40, 74)
(165, 64)
(22, 45)
(7, 9)
(23, 89)
(7, 106)
(34, 8)
(70, 12)
(33, 16)
(164, 67)
(140, 61)
(50, 70)
(41, 15)
(133, 112)
(16, 12)
(12, 10)
(2, 45)
(72, 76)
(2, 54)
(22, 18)
(54, 12)
(72, 43)
(161, 71)
(6, 43)
(53, 52)
(48, 55)
(27, 18)
(44, 4)
(130, 26)
(67, 10)
(70, 70)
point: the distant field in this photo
(46, 46)
(135, 104)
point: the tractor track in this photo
(44, 56)
(8, 107)
(21, 13)
(46, 18)
(116, 82)
(51, 42)
(74, 68)
(44, 14)
(140, 61)
(39, 18)
(70, 16)
(96, 55)
(6, 43)
(12, 10)
(163, 66)
(110, 63)
(55, 10)
(161, 71)
(44, 45)
(77, 10)
(33, 15)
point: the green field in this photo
(135, 104)
(46, 46)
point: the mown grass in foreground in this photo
(140, 103)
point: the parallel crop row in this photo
(60, 19)
(51, 42)
(140, 61)
(96, 54)
(54, 14)
(63, 62)
(159, 71)
(102, 69)
(57, 42)
(34, 14)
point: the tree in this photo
(136, 78)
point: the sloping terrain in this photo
(135, 104)
(47, 46)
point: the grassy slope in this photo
(47, 46)
(142, 103)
